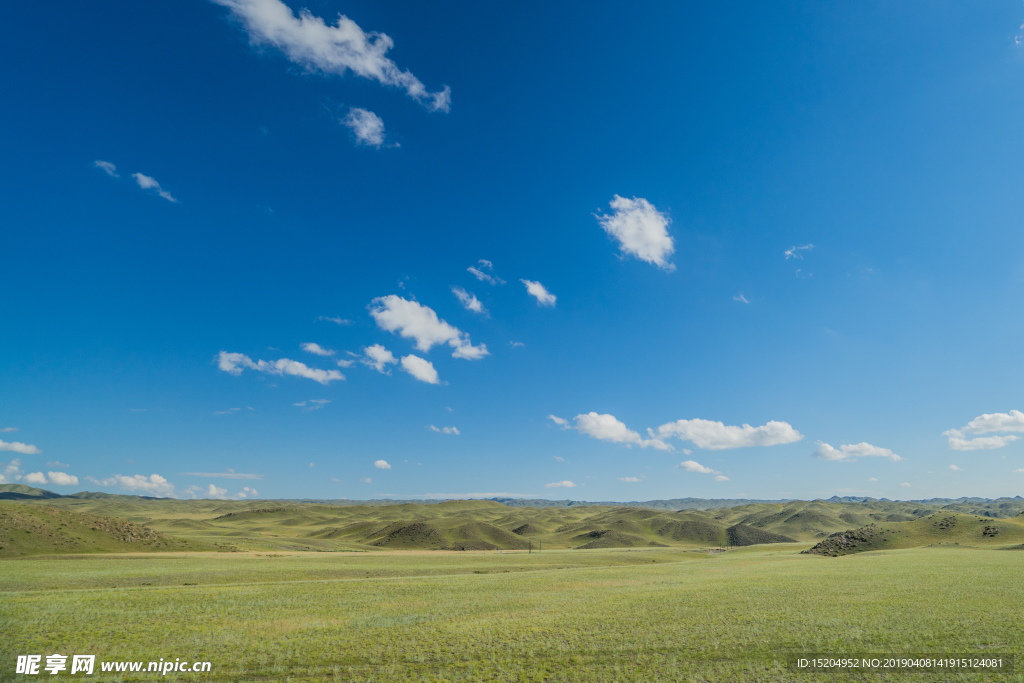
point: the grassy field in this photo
(488, 525)
(651, 614)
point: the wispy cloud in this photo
(640, 229)
(106, 167)
(230, 474)
(313, 44)
(148, 183)
(444, 430)
(515, 344)
(412, 320)
(312, 404)
(739, 297)
(560, 484)
(484, 271)
(420, 368)
(848, 452)
(234, 363)
(795, 251)
(367, 127)
(560, 421)
(9, 429)
(469, 301)
(631, 480)
(539, 292)
(955, 468)
(694, 466)
(714, 436)
(154, 484)
(316, 349)
(19, 447)
(335, 319)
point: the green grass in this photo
(481, 525)
(660, 614)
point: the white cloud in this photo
(558, 458)
(1019, 471)
(35, 478)
(607, 428)
(8, 429)
(560, 484)
(336, 320)
(640, 229)
(955, 468)
(310, 42)
(444, 430)
(317, 349)
(382, 465)
(469, 301)
(106, 167)
(560, 421)
(694, 466)
(233, 363)
(62, 479)
(147, 183)
(312, 404)
(853, 451)
(215, 491)
(794, 251)
(515, 344)
(714, 436)
(377, 357)
(1012, 421)
(57, 463)
(366, 126)
(980, 443)
(739, 297)
(905, 484)
(631, 480)
(412, 320)
(154, 484)
(225, 475)
(11, 471)
(420, 368)
(721, 477)
(19, 447)
(539, 292)
(247, 492)
(872, 479)
(488, 276)
(366, 480)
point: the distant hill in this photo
(37, 530)
(939, 528)
(22, 491)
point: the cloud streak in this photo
(539, 292)
(714, 436)
(234, 363)
(310, 42)
(850, 452)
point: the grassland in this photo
(489, 525)
(651, 614)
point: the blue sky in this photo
(737, 251)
